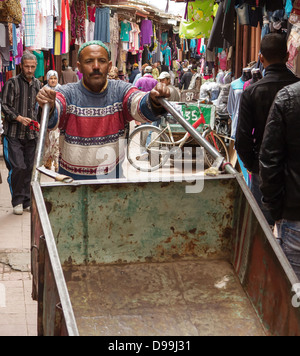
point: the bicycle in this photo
(150, 147)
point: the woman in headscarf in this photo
(51, 155)
(52, 80)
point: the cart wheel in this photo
(217, 142)
(148, 148)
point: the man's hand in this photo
(160, 91)
(46, 95)
(23, 120)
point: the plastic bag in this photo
(200, 20)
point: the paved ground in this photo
(18, 312)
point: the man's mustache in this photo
(96, 73)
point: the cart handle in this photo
(38, 162)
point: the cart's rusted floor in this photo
(200, 297)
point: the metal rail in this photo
(219, 159)
(36, 177)
(37, 168)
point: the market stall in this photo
(54, 30)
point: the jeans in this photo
(19, 159)
(265, 30)
(289, 238)
(255, 189)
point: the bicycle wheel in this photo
(147, 148)
(219, 145)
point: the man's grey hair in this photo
(28, 56)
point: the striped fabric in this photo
(19, 98)
(30, 14)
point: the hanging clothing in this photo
(223, 31)
(40, 71)
(146, 32)
(30, 22)
(168, 56)
(114, 29)
(102, 28)
(271, 5)
(80, 21)
(200, 20)
(125, 31)
(233, 106)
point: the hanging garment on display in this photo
(288, 7)
(236, 90)
(30, 23)
(114, 29)
(200, 20)
(4, 50)
(146, 32)
(168, 56)
(40, 70)
(223, 31)
(271, 5)
(125, 31)
(102, 28)
(293, 49)
(2, 35)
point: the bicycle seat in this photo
(223, 115)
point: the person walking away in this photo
(67, 75)
(164, 67)
(195, 83)
(139, 76)
(255, 105)
(280, 171)
(64, 64)
(165, 78)
(135, 72)
(101, 108)
(19, 143)
(51, 155)
(147, 82)
(186, 79)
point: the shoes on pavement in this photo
(28, 210)
(18, 210)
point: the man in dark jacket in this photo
(255, 105)
(280, 170)
(186, 78)
(135, 72)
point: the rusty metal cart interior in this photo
(143, 258)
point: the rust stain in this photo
(49, 206)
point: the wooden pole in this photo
(258, 41)
(246, 48)
(253, 44)
(238, 50)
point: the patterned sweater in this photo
(93, 126)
